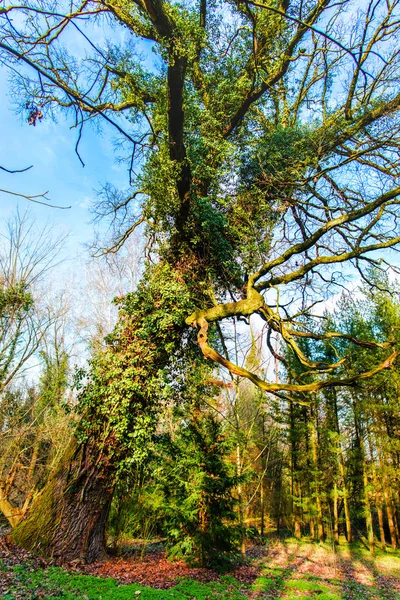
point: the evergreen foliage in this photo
(197, 484)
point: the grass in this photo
(54, 582)
(300, 570)
(288, 570)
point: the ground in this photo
(285, 569)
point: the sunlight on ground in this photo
(295, 570)
(287, 570)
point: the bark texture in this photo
(67, 520)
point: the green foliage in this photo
(162, 203)
(15, 298)
(183, 490)
(278, 159)
(54, 582)
(130, 378)
(214, 243)
(138, 503)
(197, 486)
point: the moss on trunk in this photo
(67, 519)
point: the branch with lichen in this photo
(255, 304)
(277, 388)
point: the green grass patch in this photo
(323, 596)
(305, 585)
(263, 583)
(54, 582)
(297, 597)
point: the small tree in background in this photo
(34, 432)
(198, 486)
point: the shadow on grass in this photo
(386, 586)
(275, 582)
(350, 576)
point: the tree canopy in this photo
(262, 139)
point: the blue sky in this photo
(49, 147)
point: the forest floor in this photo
(286, 569)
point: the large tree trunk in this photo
(67, 520)
(118, 404)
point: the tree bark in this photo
(378, 495)
(67, 520)
(366, 498)
(367, 509)
(240, 501)
(11, 513)
(313, 425)
(312, 528)
(388, 499)
(349, 535)
(335, 515)
(390, 514)
(295, 492)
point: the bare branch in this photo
(35, 198)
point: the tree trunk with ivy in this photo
(68, 518)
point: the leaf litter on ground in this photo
(289, 570)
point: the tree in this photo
(35, 429)
(30, 437)
(374, 411)
(344, 446)
(263, 151)
(197, 485)
(26, 255)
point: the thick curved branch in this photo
(326, 260)
(276, 323)
(254, 303)
(244, 308)
(273, 388)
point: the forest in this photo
(242, 387)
